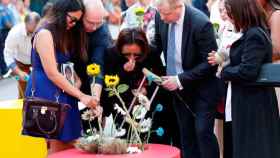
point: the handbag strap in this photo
(52, 118)
(57, 94)
(265, 34)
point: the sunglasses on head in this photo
(72, 18)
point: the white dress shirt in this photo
(178, 52)
(17, 46)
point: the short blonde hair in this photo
(168, 3)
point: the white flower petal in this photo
(120, 132)
(132, 150)
(139, 112)
(145, 125)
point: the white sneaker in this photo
(8, 74)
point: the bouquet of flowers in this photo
(108, 139)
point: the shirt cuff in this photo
(12, 66)
(179, 83)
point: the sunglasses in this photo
(72, 18)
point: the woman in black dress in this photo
(254, 112)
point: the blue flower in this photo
(159, 108)
(17, 77)
(150, 79)
(160, 132)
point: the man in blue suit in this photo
(185, 36)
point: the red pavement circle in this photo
(153, 151)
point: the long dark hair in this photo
(133, 36)
(67, 41)
(246, 14)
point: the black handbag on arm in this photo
(41, 117)
(270, 73)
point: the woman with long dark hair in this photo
(59, 37)
(253, 109)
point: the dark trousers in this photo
(197, 133)
(3, 66)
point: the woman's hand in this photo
(89, 101)
(129, 66)
(214, 58)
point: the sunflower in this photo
(139, 11)
(112, 81)
(93, 69)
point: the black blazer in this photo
(114, 63)
(197, 41)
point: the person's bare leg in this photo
(218, 130)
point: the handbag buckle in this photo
(43, 110)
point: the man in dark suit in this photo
(185, 36)
(99, 39)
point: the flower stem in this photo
(127, 114)
(91, 130)
(92, 86)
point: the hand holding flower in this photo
(215, 58)
(89, 101)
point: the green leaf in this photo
(122, 88)
(111, 93)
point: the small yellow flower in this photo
(139, 11)
(112, 81)
(93, 69)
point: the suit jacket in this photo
(197, 41)
(255, 118)
(98, 42)
(201, 5)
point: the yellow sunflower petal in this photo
(140, 11)
(93, 69)
(112, 81)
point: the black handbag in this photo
(270, 72)
(269, 75)
(41, 117)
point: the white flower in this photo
(119, 109)
(132, 150)
(143, 100)
(93, 137)
(139, 111)
(88, 115)
(145, 125)
(120, 132)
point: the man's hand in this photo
(170, 83)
